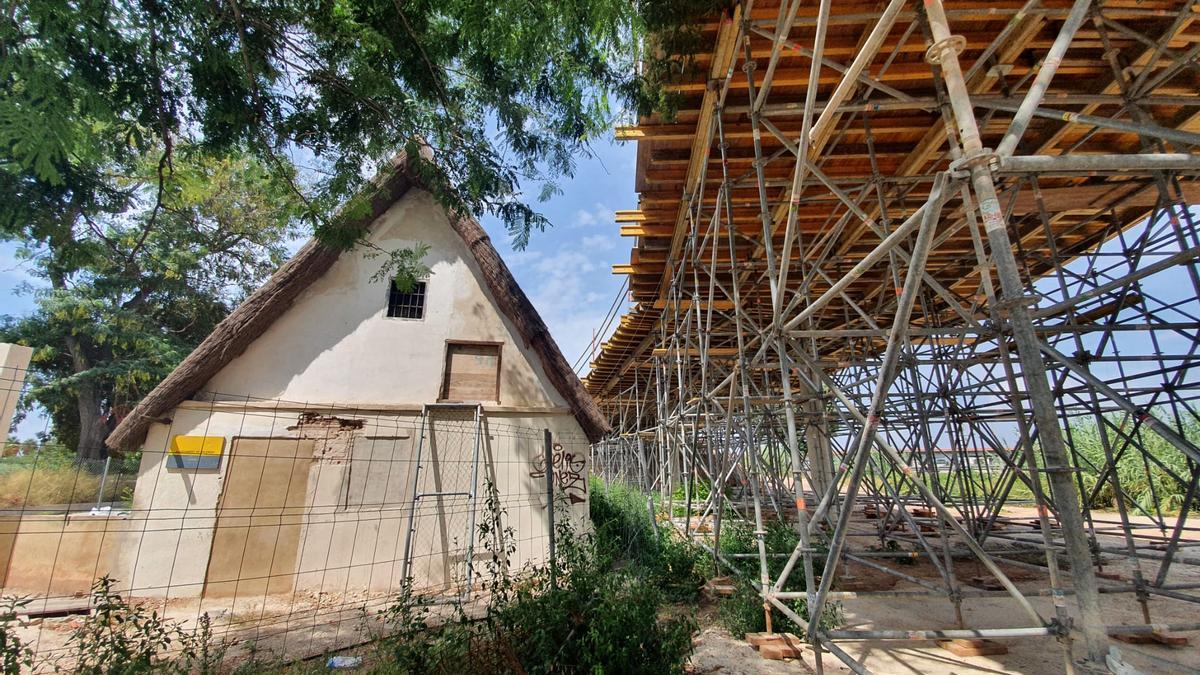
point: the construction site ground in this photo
(719, 652)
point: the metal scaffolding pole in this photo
(893, 340)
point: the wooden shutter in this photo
(472, 372)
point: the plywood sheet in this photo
(472, 372)
(257, 537)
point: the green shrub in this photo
(594, 620)
(575, 614)
(701, 489)
(625, 536)
(743, 613)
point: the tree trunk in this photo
(92, 427)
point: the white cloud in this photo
(565, 289)
(517, 259)
(564, 264)
(583, 219)
(600, 214)
(599, 242)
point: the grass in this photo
(52, 476)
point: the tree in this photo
(131, 292)
(505, 92)
(101, 104)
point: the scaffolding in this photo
(881, 240)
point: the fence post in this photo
(103, 480)
(549, 449)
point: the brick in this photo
(720, 587)
(986, 583)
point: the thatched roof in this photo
(232, 336)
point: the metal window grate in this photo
(410, 305)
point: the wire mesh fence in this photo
(280, 528)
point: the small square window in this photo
(410, 305)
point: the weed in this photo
(743, 612)
(626, 536)
(574, 613)
(119, 639)
(13, 652)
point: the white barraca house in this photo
(335, 434)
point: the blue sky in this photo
(567, 270)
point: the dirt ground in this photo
(281, 628)
(308, 624)
(718, 652)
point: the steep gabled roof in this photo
(232, 336)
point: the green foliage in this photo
(701, 489)
(151, 152)
(594, 619)
(131, 292)
(744, 611)
(501, 91)
(1142, 476)
(14, 653)
(623, 530)
(575, 613)
(1144, 468)
(626, 536)
(119, 638)
(405, 265)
